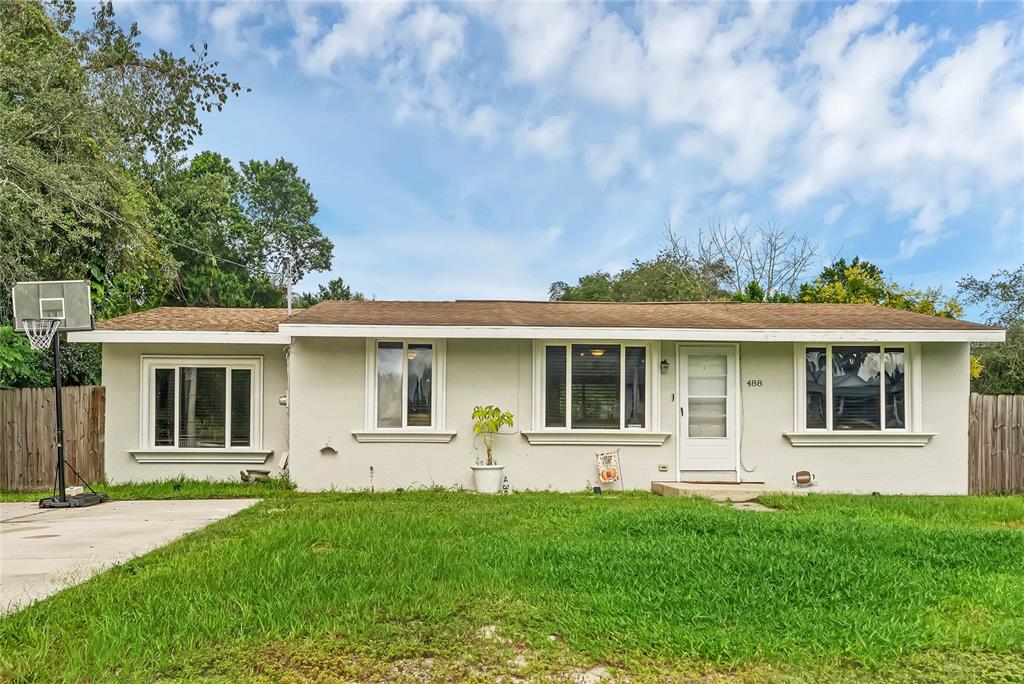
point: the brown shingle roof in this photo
(692, 315)
(194, 318)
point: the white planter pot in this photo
(487, 479)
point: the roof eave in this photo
(621, 333)
(179, 337)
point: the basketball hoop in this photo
(40, 331)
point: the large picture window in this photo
(201, 403)
(405, 388)
(855, 387)
(595, 386)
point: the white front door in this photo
(707, 408)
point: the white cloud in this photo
(540, 37)
(549, 139)
(239, 28)
(606, 161)
(363, 33)
(610, 66)
(834, 213)
(483, 122)
(929, 140)
(158, 21)
(438, 36)
(736, 100)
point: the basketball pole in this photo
(59, 406)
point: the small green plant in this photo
(487, 422)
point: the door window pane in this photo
(389, 384)
(421, 364)
(817, 367)
(595, 386)
(895, 404)
(707, 376)
(163, 407)
(241, 404)
(708, 417)
(636, 387)
(856, 391)
(201, 407)
(554, 387)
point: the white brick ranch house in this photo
(361, 394)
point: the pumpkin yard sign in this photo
(608, 467)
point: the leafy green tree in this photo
(280, 206)
(1001, 295)
(67, 205)
(334, 290)
(214, 247)
(1001, 364)
(861, 282)
(675, 274)
(152, 103)
(755, 293)
(19, 363)
(88, 124)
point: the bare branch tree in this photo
(774, 257)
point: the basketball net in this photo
(40, 331)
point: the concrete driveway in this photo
(45, 550)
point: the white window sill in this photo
(859, 439)
(201, 456)
(596, 437)
(404, 436)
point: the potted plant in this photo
(487, 422)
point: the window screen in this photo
(201, 407)
(595, 386)
(420, 379)
(895, 396)
(554, 387)
(163, 407)
(389, 384)
(241, 401)
(856, 388)
(636, 387)
(817, 368)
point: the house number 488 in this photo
(754, 383)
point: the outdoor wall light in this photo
(664, 366)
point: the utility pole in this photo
(288, 282)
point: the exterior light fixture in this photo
(664, 366)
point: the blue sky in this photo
(486, 150)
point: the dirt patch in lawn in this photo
(334, 659)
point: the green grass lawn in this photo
(173, 489)
(455, 586)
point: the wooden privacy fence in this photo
(28, 436)
(996, 460)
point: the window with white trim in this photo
(846, 387)
(406, 385)
(199, 403)
(596, 386)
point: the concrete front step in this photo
(740, 491)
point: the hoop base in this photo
(77, 501)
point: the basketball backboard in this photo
(68, 301)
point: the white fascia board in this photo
(676, 334)
(179, 336)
